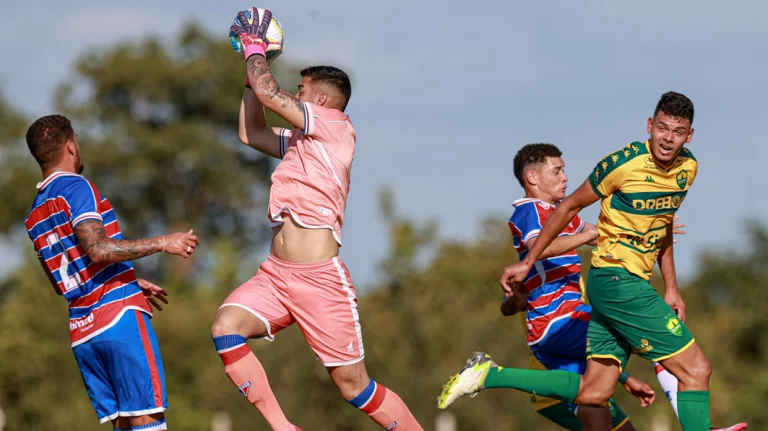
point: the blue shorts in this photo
(122, 369)
(565, 345)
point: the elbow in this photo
(572, 205)
(268, 94)
(263, 95)
(243, 137)
(260, 96)
(512, 306)
(97, 257)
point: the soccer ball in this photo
(274, 34)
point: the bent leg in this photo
(251, 311)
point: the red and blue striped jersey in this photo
(553, 283)
(98, 293)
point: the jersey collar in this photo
(53, 176)
(659, 165)
(526, 200)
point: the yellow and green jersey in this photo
(639, 201)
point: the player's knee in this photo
(701, 369)
(219, 328)
(594, 396)
(226, 323)
(352, 388)
(350, 381)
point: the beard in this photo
(79, 167)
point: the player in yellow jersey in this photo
(641, 186)
(561, 413)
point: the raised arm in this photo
(254, 40)
(269, 93)
(666, 262)
(253, 130)
(101, 249)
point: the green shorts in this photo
(629, 316)
(562, 415)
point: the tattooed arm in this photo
(271, 95)
(102, 249)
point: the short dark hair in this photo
(676, 105)
(47, 136)
(332, 76)
(533, 154)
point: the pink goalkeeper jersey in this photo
(312, 180)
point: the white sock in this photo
(668, 384)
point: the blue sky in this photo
(445, 92)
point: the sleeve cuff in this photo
(309, 119)
(581, 226)
(86, 216)
(531, 235)
(595, 188)
(285, 138)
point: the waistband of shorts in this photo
(617, 270)
(303, 266)
(610, 270)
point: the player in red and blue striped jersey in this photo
(78, 240)
(554, 293)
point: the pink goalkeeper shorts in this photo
(318, 296)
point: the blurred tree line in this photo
(157, 128)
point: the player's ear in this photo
(530, 176)
(650, 125)
(321, 99)
(71, 146)
(690, 136)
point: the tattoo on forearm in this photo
(100, 248)
(264, 82)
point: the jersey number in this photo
(68, 282)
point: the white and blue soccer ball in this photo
(275, 35)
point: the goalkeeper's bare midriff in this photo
(293, 243)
